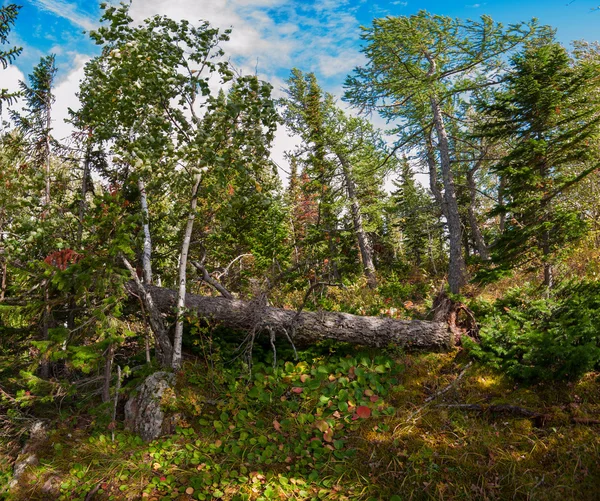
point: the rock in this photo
(144, 413)
(51, 487)
(38, 435)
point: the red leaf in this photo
(276, 425)
(297, 389)
(363, 412)
(374, 398)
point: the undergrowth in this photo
(340, 423)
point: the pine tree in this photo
(338, 146)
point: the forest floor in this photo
(339, 423)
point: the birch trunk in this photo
(182, 278)
(147, 253)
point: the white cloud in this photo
(272, 36)
(65, 94)
(66, 10)
(9, 80)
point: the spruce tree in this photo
(549, 112)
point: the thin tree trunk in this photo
(482, 248)
(45, 364)
(361, 236)
(501, 188)
(546, 237)
(4, 273)
(164, 348)
(107, 373)
(147, 254)
(84, 189)
(456, 271)
(182, 279)
(4, 266)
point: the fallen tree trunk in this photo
(307, 327)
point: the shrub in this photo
(543, 339)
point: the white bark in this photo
(147, 253)
(182, 278)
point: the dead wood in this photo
(307, 327)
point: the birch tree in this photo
(153, 93)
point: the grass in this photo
(339, 424)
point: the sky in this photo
(269, 36)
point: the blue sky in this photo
(274, 35)
(270, 36)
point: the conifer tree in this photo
(36, 122)
(417, 68)
(550, 112)
(339, 147)
(8, 16)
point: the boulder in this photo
(144, 411)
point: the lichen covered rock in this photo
(144, 412)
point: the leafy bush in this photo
(542, 339)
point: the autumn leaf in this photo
(363, 412)
(322, 425)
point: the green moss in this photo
(294, 432)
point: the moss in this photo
(261, 439)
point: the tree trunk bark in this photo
(147, 253)
(84, 190)
(501, 188)
(309, 327)
(361, 236)
(482, 248)
(456, 271)
(164, 348)
(182, 280)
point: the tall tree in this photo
(36, 122)
(339, 145)
(551, 113)
(186, 131)
(417, 67)
(8, 16)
